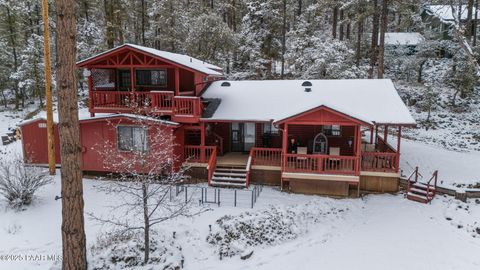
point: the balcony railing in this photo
(198, 154)
(266, 156)
(379, 162)
(155, 102)
(320, 164)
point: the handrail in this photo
(409, 179)
(198, 153)
(267, 156)
(212, 165)
(434, 177)
(379, 161)
(249, 164)
(220, 142)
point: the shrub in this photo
(18, 182)
(120, 250)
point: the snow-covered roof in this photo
(444, 12)
(403, 38)
(106, 116)
(371, 101)
(181, 59)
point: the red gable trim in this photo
(326, 108)
(90, 61)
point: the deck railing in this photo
(212, 164)
(154, 101)
(111, 99)
(320, 164)
(187, 106)
(266, 156)
(379, 162)
(198, 154)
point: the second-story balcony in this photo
(142, 91)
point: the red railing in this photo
(155, 101)
(431, 187)
(413, 178)
(111, 99)
(212, 164)
(320, 164)
(187, 106)
(266, 156)
(379, 162)
(200, 154)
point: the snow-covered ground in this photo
(376, 232)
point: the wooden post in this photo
(399, 138)
(177, 81)
(48, 90)
(284, 151)
(132, 83)
(202, 142)
(376, 135)
(358, 149)
(90, 93)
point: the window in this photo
(132, 138)
(334, 130)
(269, 128)
(152, 77)
(124, 80)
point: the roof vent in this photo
(191, 60)
(225, 84)
(306, 83)
(308, 89)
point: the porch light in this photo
(350, 142)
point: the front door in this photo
(243, 137)
(237, 137)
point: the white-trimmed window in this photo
(269, 128)
(334, 130)
(132, 138)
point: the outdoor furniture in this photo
(334, 151)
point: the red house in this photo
(311, 136)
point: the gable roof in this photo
(181, 59)
(370, 101)
(444, 12)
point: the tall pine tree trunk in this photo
(284, 33)
(374, 44)
(381, 49)
(469, 25)
(73, 233)
(334, 22)
(342, 24)
(359, 38)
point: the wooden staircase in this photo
(233, 176)
(421, 192)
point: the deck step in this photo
(219, 169)
(422, 192)
(229, 174)
(227, 184)
(418, 198)
(229, 179)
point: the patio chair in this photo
(334, 151)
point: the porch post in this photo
(90, 93)
(376, 135)
(202, 142)
(358, 150)
(399, 138)
(177, 81)
(284, 151)
(132, 82)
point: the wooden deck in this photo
(233, 158)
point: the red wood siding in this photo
(34, 142)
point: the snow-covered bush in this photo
(125, 251)
(234, 235)
(18, 182)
